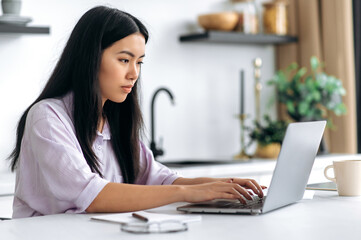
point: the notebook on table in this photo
(289, 180)
(325, 186)
(123, 218)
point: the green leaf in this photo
(292, 66)
(310, 113)
(321, 79)
(330, 123)
(341, 91)
(290, 107)
(310, 84)
(314, 63)
(316, 114)
(340, 109)
(303, 108)
(316, 96)
(299, 74)
(309, 98)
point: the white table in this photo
(327, 216)
(7, 183)
(7, 186)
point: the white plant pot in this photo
(11, 6)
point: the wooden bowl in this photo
(223, 21)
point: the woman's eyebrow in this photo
(130, 54)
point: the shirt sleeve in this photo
(64, 182)
(153, 172)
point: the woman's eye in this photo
(140, 63)
(124, 60)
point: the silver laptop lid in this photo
(294, 164)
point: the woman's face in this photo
(120, 67)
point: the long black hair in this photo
(77, 70)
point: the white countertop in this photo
(7, 183)
(254, 166)
(326, 216)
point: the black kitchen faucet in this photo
(157, 151)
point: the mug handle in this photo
(325, 173)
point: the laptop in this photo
(289, 180)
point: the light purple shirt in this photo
(53, 175)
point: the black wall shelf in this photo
(24, 29)
(236, 37)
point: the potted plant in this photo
(309, 97)
(269, 137)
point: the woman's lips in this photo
(127, 89)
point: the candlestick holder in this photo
(258, 86)
(242, 156)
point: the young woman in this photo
(78, 147)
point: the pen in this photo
(140, 217)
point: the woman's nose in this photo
(133, 72)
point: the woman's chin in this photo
(118, 99)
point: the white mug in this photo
(347, 176)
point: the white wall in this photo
(203, 77)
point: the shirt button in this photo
(99, 147)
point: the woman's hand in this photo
(249, 184)
(230, 189)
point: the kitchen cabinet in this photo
(237, 38)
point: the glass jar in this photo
(248, 17)
(275, 18)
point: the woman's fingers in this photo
(237, 190)
(223, 195)
(258, 187)
(239, 196)
(242, 191)
(231, 193)
(251, 184)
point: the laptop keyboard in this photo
(254, 203)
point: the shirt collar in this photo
(106, 131)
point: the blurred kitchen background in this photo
(203, 77)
